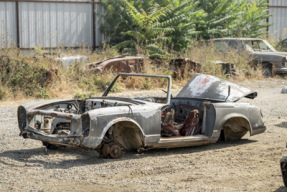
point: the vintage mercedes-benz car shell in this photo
(110, 124)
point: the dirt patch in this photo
(251, 164)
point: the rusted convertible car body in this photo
(123, 64)
(110, 124)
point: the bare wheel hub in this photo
(115, 150)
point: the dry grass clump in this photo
(204, 54)
(25, 76)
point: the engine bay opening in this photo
(51, 125)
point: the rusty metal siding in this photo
(279, 19)
(8, 24)
(99, 36)
(75, 0)
(277, 3)
(55, 24)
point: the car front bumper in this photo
(75, 138)
(73, 141)
(281, 70)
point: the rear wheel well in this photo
(235, 128)
(127, 134)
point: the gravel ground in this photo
(251, 164)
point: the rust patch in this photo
(117, 65)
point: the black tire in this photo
(266, 72)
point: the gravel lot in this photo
(251, 164)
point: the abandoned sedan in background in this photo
(203, 111)
(259, 50)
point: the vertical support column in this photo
(267, 19)
(94, 26)
(18, 25)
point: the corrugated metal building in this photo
(48, 24)
(279, 19)
(73, 23)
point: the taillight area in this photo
(86, 123)
(22, 121)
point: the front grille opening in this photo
(62, 128)
(22, 122)
(51, 125)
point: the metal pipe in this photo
(94, 27)
(18, 24)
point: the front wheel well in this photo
(127, 134)
(267, 65)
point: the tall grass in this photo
(27, 76)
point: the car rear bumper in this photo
(258, 130)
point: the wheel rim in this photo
(266, 73)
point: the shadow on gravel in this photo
(64, 158)
(61, 158)
(282, 125)
(195, 149)
(281, 189)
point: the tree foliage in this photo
(152, 24)
(233, 18)
(147, 31)
(250, 22)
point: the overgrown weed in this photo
(28, 76)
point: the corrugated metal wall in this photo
(55, 24)
(8, 24)
(71, 24)
(51, 24)
(279, 18)
(99, 36)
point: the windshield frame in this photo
(251, 49)
(140, 75)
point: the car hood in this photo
(208, 87)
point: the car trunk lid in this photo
(208, 87)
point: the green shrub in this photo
(2, 94)
(83, 95)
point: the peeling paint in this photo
(147, 114)
(212, 88)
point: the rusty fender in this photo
(226, 111)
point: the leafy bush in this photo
(2, 94)
(83, 95)
(22, 76)
(157, 27)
